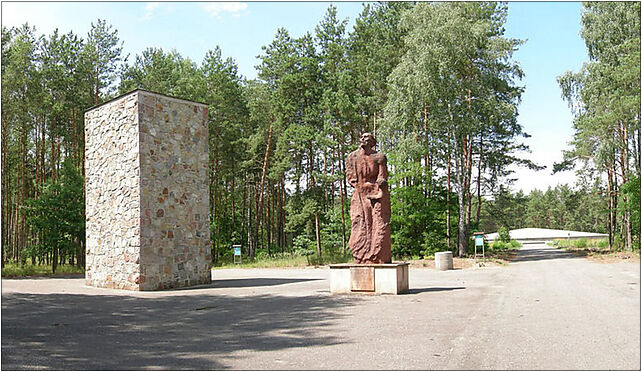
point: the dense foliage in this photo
(436, 82)
(605, 97)
(562, 207)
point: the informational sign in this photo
(479, 242)
(237, 253)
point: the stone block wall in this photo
(146, 162)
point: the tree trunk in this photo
(325, 172)
(259, 206)
(614, 201)
(462, 232)
(427, 155)
(343, 219)
(345, 183)
(15, 231)
(282, 227)
(638, 153)
(313, 183)
(469, 169)
(4, 197)
(374, 124)
(479, 177)
(250, 228)
(54, 261)
(212, 213)
(318, 235)
(246, 208)
(37, 163)
(52, 160)
(97, 85)
(232, 199)
(268, 217)
(23, 181)
(464, 171)
(217, 202)
(448, 174)
(624, 162)
(448, 191)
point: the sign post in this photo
(237, 253)
(479, 242)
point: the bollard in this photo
(444, 260)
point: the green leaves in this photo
(453, 97)
(605, 98)
(58, 215)
(102, 57)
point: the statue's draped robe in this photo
(369, 208)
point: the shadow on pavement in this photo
(433, 289)
(120, 332)
(248, 282)
(46, 277)
(541, 253)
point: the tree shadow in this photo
(541, 253)
(47, 277)
(246, 282)
(433, 289)
(194, 332)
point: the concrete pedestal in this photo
(444, 261)
(369, 278)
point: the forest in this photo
(435, 82)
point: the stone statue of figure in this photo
(367, 172)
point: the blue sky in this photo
(551, 29)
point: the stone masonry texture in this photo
(146, 185)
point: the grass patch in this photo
(500, 246)
(280, 260)
(14, 270)
(593, 248)
(582, 243)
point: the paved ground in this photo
(547, 310)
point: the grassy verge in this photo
(593, 248)
(501, 252)
(280, 260)
(14, 270)
(579, 244)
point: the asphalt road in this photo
(546, 310)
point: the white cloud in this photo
(150, 9)
(215, 9)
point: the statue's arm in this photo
(351, 173)
(382, 176)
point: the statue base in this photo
(389, 278)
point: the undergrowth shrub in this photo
(503, 234)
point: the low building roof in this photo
(532, 233)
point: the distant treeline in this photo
(562, 207)
(435, 82)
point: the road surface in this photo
(546, 310)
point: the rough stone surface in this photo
(147, 193)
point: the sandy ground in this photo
(545, 310)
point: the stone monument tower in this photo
(146, 161)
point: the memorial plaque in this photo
(362, 279)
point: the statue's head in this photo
(367, 139)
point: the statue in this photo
(367, 172)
